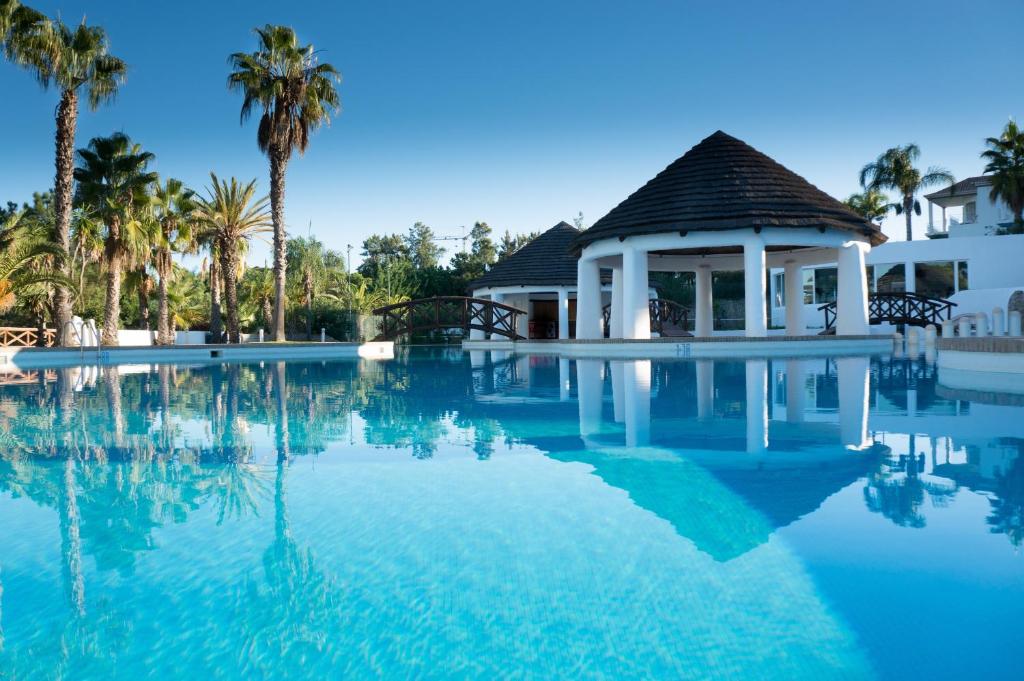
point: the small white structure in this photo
(722, 206)
(540, 278)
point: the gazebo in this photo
(723, 206)
(540, 278)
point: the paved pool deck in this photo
(35, 358)
(715, 346)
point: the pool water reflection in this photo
(486, 515)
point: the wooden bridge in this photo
(668, 318)
(448, 312)
(910, 309)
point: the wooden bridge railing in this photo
(668, 318)
(912, 309)
(23, 336)
(446, 312)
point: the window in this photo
(808, 287)
(780, 290)
(825, 283)
(890, 278)
(934, 279)
(961, 276)
(970, 212)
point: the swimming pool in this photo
(489, 515)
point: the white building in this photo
(966, 209)
(965, 252)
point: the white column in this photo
(589, 387)
(636, 313)
(796, 393)
(563, 313)
(852, 296)
(497, 298)
(637, 382)
(615, 323)
(931, 221)
(852, 374)
(794, 285)
(705, 389)
(588, 300)
(757, 406)
(618, 392)
(704, 320)
(756, 311)
(523, 320)
(563, 379)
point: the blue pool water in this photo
(498, 516)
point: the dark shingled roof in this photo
(724, 183)
(967, 187)
(545, 261)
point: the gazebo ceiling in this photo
(723, 184)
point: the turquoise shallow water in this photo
(499, 516)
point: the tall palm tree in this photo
(113, 181)
(1005, 156)
(232, 215)
(895, 170)
(297, 95)
(173, 208)
(871, 204)
(74, 60)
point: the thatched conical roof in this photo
(720, 184)
(545, 261)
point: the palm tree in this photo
(74, 61)
(297, 95)
(895, 170)
(306, 256)
(1005, 156)
(258, 290)
(173, 208)
(232, 216)
(871, 204)
(113, 181)
(21, 271)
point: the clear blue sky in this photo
(525, 113)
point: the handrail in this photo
(914, 309)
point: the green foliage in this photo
(870, 204)
(1005, 164)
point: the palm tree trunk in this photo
(163, 322)
(278, 164)
(216, 325)
(281, 435)
(908, 207)
(229, 268)
(112, 304)
(268, 313)
(309, 312)
(143, 294)
(67, 121)
(71, 540)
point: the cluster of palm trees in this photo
(282, 80)
(896, 170)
